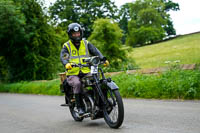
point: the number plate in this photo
(94, 69)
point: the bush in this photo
(50, 87)
(176, 84)
(29, 46)
(106, 36)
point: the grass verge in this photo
(174, 84)
(50, 87)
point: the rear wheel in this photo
(114, 112)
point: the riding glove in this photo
(106, 63)
(68, 66)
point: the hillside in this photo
(183, 49)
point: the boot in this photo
(78, 105)
(66, 102)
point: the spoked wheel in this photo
(75, 114)
(114, 112)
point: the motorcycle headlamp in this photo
(95, 61)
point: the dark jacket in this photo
(93, 51)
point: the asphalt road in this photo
(42, 114)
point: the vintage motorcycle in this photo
(100, 96)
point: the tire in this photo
(75, 114)
(107, 112)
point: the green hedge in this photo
(50, 87)
(176, 84)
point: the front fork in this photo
(98, 88)
(101, 94)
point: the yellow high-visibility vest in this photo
(77, 56)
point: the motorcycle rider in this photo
(74, 51)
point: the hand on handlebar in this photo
(106, 63)
(68, 66)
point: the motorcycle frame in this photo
(100, 98)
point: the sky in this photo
(186, 20)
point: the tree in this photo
(28, 43)
(84, 12)
(3, 69)
(12, 33)
(146, 14)
(107, 36)
(147, 20)
(169, 5)
(124, 15)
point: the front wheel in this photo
(114, 112)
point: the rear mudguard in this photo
(111, 85)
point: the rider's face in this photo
(76, 34)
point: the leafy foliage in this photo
(124, 14)
(106, 36)
(12, 33)
(174, 84)
(29, 45)
(84, 12)
(148, 21)
(3, 69)
(32, 87)
(169, 5)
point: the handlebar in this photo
(84, 65)
(91, 61)
(80, 65)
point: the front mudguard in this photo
(111, 85)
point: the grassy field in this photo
(185, 49)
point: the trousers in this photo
(75, 82)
